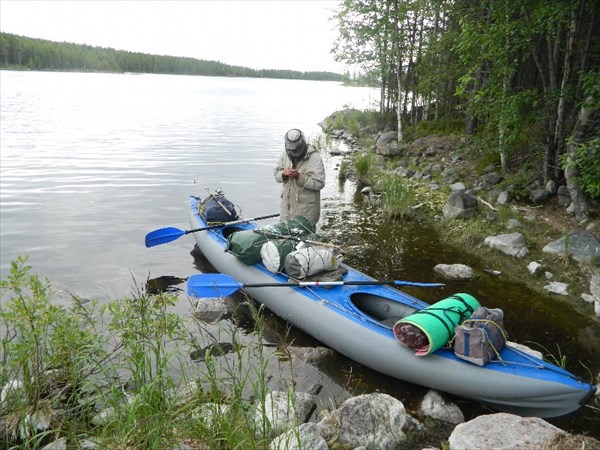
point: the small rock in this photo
(510, 244)
(434, 405)
(557, 288)
(457, 187)
(311, 355)
(503, 198)
(492, 272)
(456, 272)
(492, 178)
(306, 436)
(534, 267)
(460, 205)
(588, 298)
(564, 198)
(513, 223)
(539, 196)
(284, 410)
(211, 310)
(368, 190)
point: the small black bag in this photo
(217, 209)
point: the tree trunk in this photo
(566, 77)
(586, 127)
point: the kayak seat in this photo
(381, 309)
(228, 231)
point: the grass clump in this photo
(399, 197)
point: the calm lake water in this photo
(90, 163)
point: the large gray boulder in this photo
(512, 244)
(372, 420)
(502, 432)
(581, 245)
(460, 205)
(283, 411)
(387, 144)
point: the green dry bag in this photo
(435, 323)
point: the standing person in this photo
(300, 169)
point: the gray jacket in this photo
(302, 196)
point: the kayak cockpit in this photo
(381, 309)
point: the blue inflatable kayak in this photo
(355, 318)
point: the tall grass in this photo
(108, 374)
(364, 167)
(399, 197)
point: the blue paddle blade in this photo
(162, 236)
(212, 285)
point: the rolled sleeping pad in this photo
(437, 321)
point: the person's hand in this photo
(290, 173)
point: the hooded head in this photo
(295, 144)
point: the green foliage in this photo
(43, 336)
(344, 170)
(48, 351)
(56, 359)
(399, 197)
(363, 165)
(587, 162)
(429, 127)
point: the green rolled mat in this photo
(436, 322)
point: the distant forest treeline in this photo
(20, 52)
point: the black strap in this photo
(462, 314)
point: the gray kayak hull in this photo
(348, 319)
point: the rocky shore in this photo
(536, 226)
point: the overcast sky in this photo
(276, 34)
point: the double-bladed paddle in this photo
(168, 234)
(221, 285)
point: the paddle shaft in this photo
(221, 285)
(236, 222)
(335, 283)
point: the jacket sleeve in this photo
(313, 175)
(278, 170)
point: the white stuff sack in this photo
(273, 254)
(310, 261)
